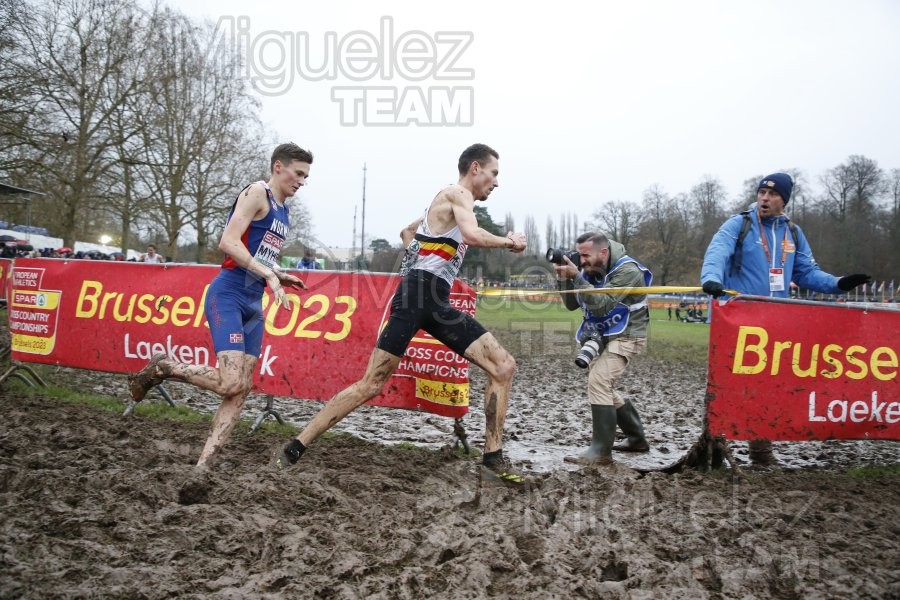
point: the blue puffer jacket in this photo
(799, 265)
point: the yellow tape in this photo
(659, 289)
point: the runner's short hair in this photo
(480, 153)
(285, 153)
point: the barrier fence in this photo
(778, 369)
(113, 316)
(799, 370)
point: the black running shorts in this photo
(422, 301)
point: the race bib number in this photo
(269, 250)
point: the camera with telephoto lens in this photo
(591, 348)
(555, 255)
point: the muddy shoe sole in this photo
(504, 478)
(141, 382)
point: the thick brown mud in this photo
(98, 505)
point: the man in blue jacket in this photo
(308, 261)
(760, 252)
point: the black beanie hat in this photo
(780, 182)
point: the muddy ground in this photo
(99, 505)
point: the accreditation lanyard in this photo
(776, 274)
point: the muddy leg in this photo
(235, 379)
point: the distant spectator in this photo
(309, 261)
(151, 256)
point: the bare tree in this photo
(892, 266)
(707, 199)
(852, 187)
(196, 151)
(17, 82)
(79, 52)
(893, 188)
(127, 198)
(533, 237)
(852, 191)
(618, 219)
(172, 139)
(564, 230)
(662, 239)
(231, 144)
(552, 242)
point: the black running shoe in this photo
(288, 455)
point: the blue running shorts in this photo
(234, 313)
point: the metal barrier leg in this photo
(14, 371)
(461, 436)
(165, 394)
(162, 392)
(21, 377)
(267, 411)
(31, 372)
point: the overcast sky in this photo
(585, 102)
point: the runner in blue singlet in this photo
(252, 240)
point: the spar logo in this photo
(29, 299)
(33, 314)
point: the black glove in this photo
(714, 288)
(848, 282)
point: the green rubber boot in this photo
(603, 418)
(630, 423)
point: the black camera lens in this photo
(554, 256)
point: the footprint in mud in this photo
(195, 490)
(455, 486)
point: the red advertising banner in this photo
(795, 370)
(5, 266)
(113, 316)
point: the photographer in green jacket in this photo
(613, 331)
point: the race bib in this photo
(269, 250)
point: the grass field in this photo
(668, 340)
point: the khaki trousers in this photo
(609, 367)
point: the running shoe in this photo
(141, 382)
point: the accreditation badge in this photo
(776, 280)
